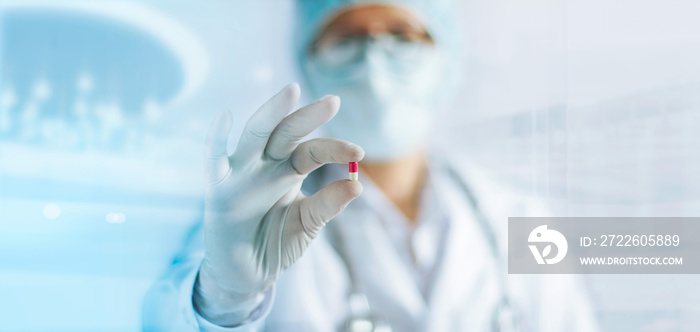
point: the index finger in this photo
(216, 154)
(259, 127)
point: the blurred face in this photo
(385, 67)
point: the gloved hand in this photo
(257, 222)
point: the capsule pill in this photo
(353, 171)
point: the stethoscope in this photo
(362, 318)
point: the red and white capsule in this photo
(353, 171)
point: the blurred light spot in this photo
(8, 98)
(263, 74)
(110, 114)
(42, 90)
(52, 211)
(152, 110)
(85, 83)
(80, 107)
(115, 217)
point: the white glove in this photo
(257, 222)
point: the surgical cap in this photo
(438, 16)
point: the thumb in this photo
(317, 210)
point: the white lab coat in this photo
(464, 289)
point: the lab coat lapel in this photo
(390, 287)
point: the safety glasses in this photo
(349, 51)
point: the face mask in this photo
(387, 96)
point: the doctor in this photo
(419, 250)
